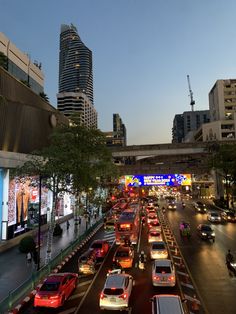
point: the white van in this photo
(167, 303)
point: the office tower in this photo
(19, 65)
(222, 105)
(186, 124)
(75, 77)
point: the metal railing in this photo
(30, 284)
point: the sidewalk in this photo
(14, 269)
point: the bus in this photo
(128, 225)
(118, 208)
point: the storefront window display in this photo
(23, 202)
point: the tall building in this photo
(118, 136)
(186, 124)
(75, 76)
(222, 105)
(20, 66)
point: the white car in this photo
(163, 273)
(158, 250)
(154, 236)
(151, 217)
(116, 292)
(214, 217)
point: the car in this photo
(163, 273)
(231, 216)
(109, 225)
(116, 292)
(124, 255)
(154, 225)
(171, 204)
(214, 217)
(168, 303)
(206, 232)
(158, 249)
(200, 207)
(101, 248)
(154, 236)
(151, 217)
(150, 210)
(55, 289)
(87, 262)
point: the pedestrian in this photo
(95, 215)
(67, 224)
(79, 220)
(29, 258)
(35, 257)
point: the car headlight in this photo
(204, 234)
(213, 234)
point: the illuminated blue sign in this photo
(158, 180)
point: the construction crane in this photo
(192, 102)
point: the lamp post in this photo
(39, 223)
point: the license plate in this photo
(113, 299)
(163, 279)
(44, 297)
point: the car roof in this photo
(162, 262)
(98, 241)
(55, 277)
(168, 303)
(116, 280)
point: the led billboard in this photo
(157, 180)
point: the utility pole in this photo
(192, 102)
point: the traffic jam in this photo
(131, 264)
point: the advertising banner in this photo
(158, 180)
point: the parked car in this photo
(163, 273)
(116, 292)
(158, 250)
(124, 255)
(200, 207)
(55, 289)
(101, 248)
(87, 262)
(205, 232)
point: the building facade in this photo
(75, 77)
(222, 104)
(186, 124)
(117, 137)
(20, 66)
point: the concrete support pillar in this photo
(219, 186)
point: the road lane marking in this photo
(191, 298)
(77, 295)
(84, 283)
(187, 285)
(224, 233)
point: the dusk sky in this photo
(143, 51)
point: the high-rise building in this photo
(222, 105)
(75, 76)
(118, 136)
(19, 65)
(185, 124)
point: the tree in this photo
(3, 61)
(44, 96)
(223, 160)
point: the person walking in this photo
(67, 224)
(29, 258)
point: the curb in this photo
(31, 295)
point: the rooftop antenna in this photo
(192, 102)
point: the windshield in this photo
(163, 270)
(122, 253)
(158, 246)
(50, 286)
(206, 228)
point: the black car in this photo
(231, 216)
(200, 207)
(205, 232)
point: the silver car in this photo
(158, 250)
(163, 273)
(116, 292)
(214, 217)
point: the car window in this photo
(96, 245)
(122, 253)
(206, 228)
(113, 291)
(50, 286)
(158, 246)
(163, 270)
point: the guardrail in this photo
(31, 283)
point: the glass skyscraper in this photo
(75, 63)
(75, 77)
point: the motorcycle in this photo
(141, 265)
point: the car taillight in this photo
(102, 251)
(54, 296)
(102, 295)
(156, 278)
(171, 278)
(123, 296)
(37, 296)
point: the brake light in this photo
(54, 297)
(102, 295)
(156, 278)
(102, 251)
(123, 296)
(171, 278)
(37, 296)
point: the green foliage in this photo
(3, 61)
(44, 96)
(27, 244)
(57, 230)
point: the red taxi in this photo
(55, 289)
(100, 248)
